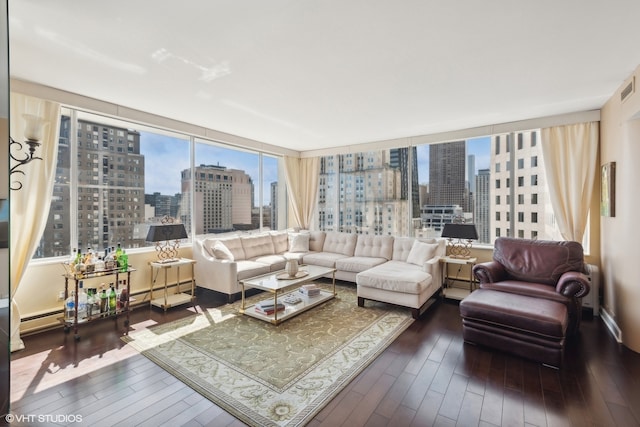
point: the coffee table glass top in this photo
(270, 281)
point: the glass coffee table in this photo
(283, 289)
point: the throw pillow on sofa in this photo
(299, 242)
(421, 252)
(220, 251)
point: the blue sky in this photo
(166, 157)
(164, 163)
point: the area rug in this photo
(268, 375)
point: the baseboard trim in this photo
(611, 325)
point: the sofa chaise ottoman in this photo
(409, 279)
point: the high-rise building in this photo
(481, 210)
(163, 205)
(518, 184)
(222, 199)
(399, 159)
(273, 223)
(110, 199)
(370, 199)
(447, 174)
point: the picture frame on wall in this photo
(4, 224)
(608, 189)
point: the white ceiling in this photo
(305, 74)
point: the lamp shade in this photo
(460, 231)
(158, 233)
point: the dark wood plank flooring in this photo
(427, 377)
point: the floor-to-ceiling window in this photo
(496, 182)
(114, 178)
(365, 193)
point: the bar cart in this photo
(85, 276)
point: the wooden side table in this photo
(171, 300)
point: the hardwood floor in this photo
(428, 376)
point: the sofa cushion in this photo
(340, 243)
(421, 252)
(233, 244)
(401, 248)
(356, 264)
(299, 242)
(374, 246)
(324, 259)
(275, 262)
(248, 269)
(221, 251)
(396, 276)
(316, 240)
(280, 241)
(257, 245)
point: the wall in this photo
(4, 194)
(620, 143)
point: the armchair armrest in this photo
(573, 284)
(489, 272)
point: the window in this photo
(520, 216)
(520, 141)
(534, 199)
(534, 217)
(118, 193)
(521, 199)
(534, 161)
(373, 194)
(520, 163)
(521, 181)
(534, 179)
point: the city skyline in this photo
(159, 150)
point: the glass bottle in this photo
(112, 300)
(124, 261)
(82, 302)
(117, 255)
(70, 307)
(104, 300)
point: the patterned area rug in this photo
(268, 375)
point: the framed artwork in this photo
(4, 223)
(608, 189)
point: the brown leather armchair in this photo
(538, 268)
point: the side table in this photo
(170, 300)
(455, 292)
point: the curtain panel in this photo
(570, 154)
(302, 176)
(29, 205)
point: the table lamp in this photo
(167, 239)
(463, 235)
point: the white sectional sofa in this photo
(398, 270)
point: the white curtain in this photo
(302, 177)
(570, 155)
(29, 205)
